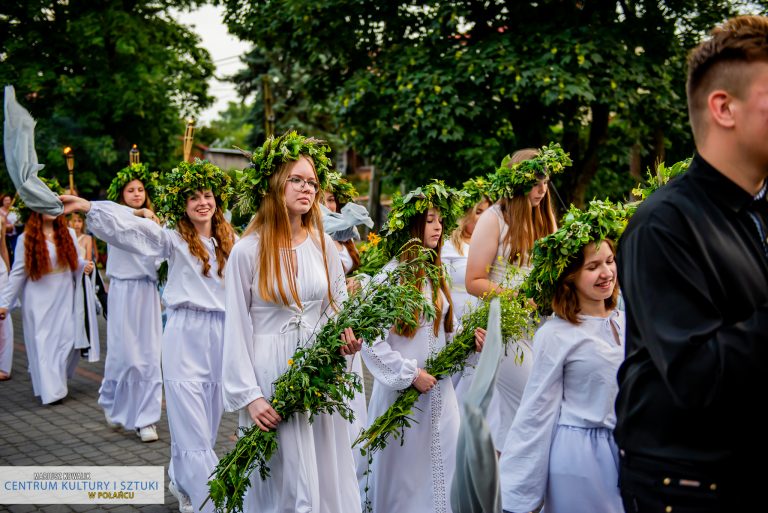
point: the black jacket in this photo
(694, 276)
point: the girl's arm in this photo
(482, 253)
(122, 227)
(16, 279)
(4, 248)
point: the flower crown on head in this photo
(252, 183)
(21, 208)
(516, 179)
(185, 179)
(128, 174)
(342, 189)
(477, 189)
(663, 175)
(449, 201)
(554, 253)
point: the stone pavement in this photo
(75, 432)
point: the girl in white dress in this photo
(131, 393)
(339, 196)
(415, 476)
(46, 275)
(197, 250)
(560, 449)
(88, 337)
(504, 236)
(6, 325)
(284, 277)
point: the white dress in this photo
(131, 393)
(511, 376)
(414, 477)
(560, 448)
(88, 330)
(456, 265)
(192, 341)
(6, 328)
(313, 468)
(49, 317)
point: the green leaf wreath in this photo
(21, 208)
(663, 175)
(252, 183)
(185, 179)
(317, 381)
(436, 194)
(133, 172)
(511, 180)
(553, 253)
(518, 320)
(342, 189)
(477, 189)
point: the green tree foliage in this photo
(101, 76)
(447, 88)
(231, 128)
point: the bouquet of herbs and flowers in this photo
(663, 174)
(518, 320)
(317, 380)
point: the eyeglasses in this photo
(298, 184)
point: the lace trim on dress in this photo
(439, 497)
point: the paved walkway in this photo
(75, 432)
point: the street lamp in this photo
(69, 156)
(134, 155)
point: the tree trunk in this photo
(588, 169)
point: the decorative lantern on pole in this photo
(69, 157)
(189, 136)
(134, 155)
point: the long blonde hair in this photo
(525, 224)
(223, 234)
(459, 233)
(272, 225)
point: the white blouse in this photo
(143, 241)
(572, 383)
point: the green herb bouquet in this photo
(663, 175)
(518, 320)
(317, 381)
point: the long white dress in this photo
(132, 390)
(511, 376)
(313, 468)
(88, 330)
(456, 265)
(192, 341)
(415, 476)
(6, 328)
(560, 448)
(49, 316)
(355, 364)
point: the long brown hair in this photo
(274, 228)
(525, 224)
(222, 232)
(416, 229)
(565, 302)
(37, 261)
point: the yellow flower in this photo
(290, 361)
(374, 239)
(318, 394)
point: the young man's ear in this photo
(720, 107)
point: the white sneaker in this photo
(185, 504)
(113, 425)
(147, 433)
